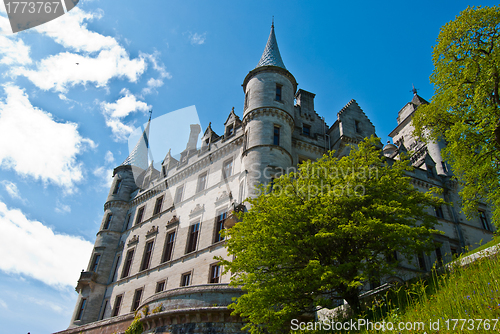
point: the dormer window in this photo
(278, 92)
(229, 130)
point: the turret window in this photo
(276, 135)
(95, 262)
(278, 92)
(247, 96)
(80, 310)
(108, 221)
(117, 186)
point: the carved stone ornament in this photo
(135, 239)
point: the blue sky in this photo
(64, 127)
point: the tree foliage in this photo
(464, 110)
(324, 231)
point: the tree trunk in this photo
(352, 299)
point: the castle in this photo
(160, 230)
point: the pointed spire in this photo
(139, 155)
(271, 55)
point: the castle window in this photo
(108, 221)
(439, 256)
(439, 212)
(128, 263)
(242, 189)
(443, 164)
(356, 126)
(127, 221)
(247, 95)
(178, 194)
(219, 226)
(117, 186)
(95, 262)
(186, 279)
(229, 130)
(169, 247)
(192, 238)
(421, 262)
(104, 309)
(276, 135)
(202, 180)
(118, 303)
(214, 273)
(164, 170)
(278, 92)
(80, 310)
(160, 286)
(148, 250)
(116, 268)
(137, 299)
(306, 130)
(484, 220)
(430, 171)
(158, 204)
(140, 214)
(227, 169)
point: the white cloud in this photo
(34, 250)
(62, 208)
(106, 176)
(13, 51)
(11, 189)
(71, 31)
(197, 38)
(114, 114)
(109, 158)
(34, 145)
(152, 85)
(65, 70)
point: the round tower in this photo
(94, 279)
(268, 119)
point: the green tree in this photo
(324, 231)
(464, 110)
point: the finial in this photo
(150, 113)
(272, 24)
(232, 110)
(414, 90)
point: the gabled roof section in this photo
(233, 118)
(139, 155)
(209, 134)
(271, 55)
(418, 100)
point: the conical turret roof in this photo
(271, 55)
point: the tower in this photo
(268, 117)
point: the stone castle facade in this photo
(159, 235)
